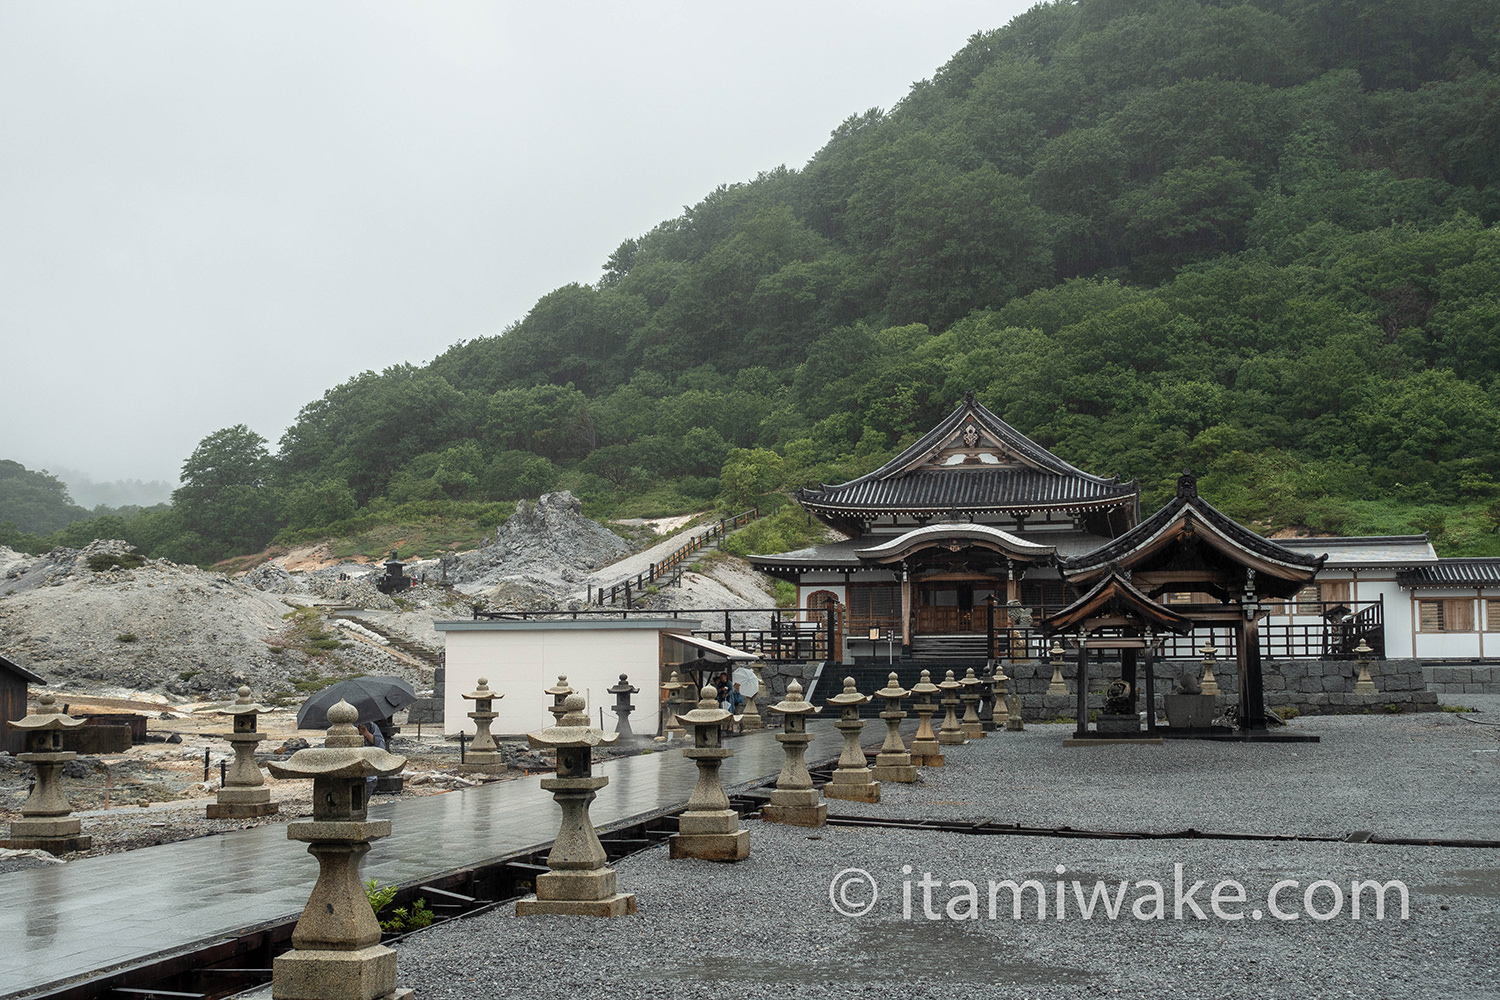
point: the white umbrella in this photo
(745, 678)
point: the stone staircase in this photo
(962, 648)
(415, 650)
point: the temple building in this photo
(973, 515)
(966, 544)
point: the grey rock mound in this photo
(546, 547)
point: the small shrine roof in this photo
(1115, 601)
(1188, 516)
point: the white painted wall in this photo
(521, 659)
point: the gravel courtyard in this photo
(709, 930)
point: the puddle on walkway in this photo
(880, 952)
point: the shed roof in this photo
(6, 663)
(1472, 572)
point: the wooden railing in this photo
(668, 572)
(800, 635)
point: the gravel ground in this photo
(710, 930)
(1427, 775)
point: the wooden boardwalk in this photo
(60, 922)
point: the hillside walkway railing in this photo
(773, 634)
(668, 572)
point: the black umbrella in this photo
(374, 698)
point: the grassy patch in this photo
(105, 561)
(125, 637)
(305, 633)
(421, 540)
(1456, 708)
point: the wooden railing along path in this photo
(668, 572)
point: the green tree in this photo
(225, 497)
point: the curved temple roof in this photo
(971, 461)
(955, 536)
(1280, 571)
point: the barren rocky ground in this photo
(112, 632)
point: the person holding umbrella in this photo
(373, 738)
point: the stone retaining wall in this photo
(1473, 679)
(1312, 687)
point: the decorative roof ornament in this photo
(1187, 484)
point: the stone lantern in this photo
(1001, 696)
(893, 763)
(336, 950)
(794, 800)
(1209, 684)
(580, 882)
(852, 779)
(559, 693)
(986, 707)
(671, 728)
(1059, 687)
(710, 828)
(951, 733)
(971, 725)
(750, 719)
(1364, 685)
(483, 755)
(46, 822)
(925, 749)
(244, 794)
(622, 709)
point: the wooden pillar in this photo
(1130, 675)
(1083, 689)
(905, 608)
(989, 628)
(1012, 586)
(1150, 659)
(1252, 693)
(832, 626)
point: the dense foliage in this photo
(1256, 238)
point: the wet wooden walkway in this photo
(61, 922)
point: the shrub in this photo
(105, 561)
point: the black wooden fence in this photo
(668, 572)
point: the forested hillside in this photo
(1257, 239)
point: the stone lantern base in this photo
(242, 803)
(952, 737)
(316, 974)
(578, 894)
(41, 833)
(927, 753)
(710, 835)
(853, 785)
(800, 807)
(895, 767)
(485, 762)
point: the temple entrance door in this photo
(948, 607)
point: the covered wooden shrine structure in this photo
(1221, 574)
(1115, 615)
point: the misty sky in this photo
(211, 213)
